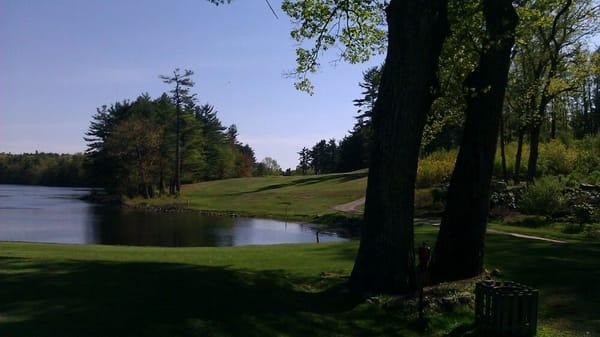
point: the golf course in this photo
(272, 290)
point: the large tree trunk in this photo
(459, 249)
(502, 149)
(416, 32)
(534, 146)
(534, 137)
(553, 124)
(519, 155)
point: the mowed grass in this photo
(305, 198)
(295, 197)
(280, 290)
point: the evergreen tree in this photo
(180, 94)
(304, 160)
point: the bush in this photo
(510, 150)
(532, 221)
(572, 228)
(583, 212)
(436, 168)
(543, 197)
(556, 158)
(592, 232)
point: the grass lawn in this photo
(77, 290)
(296, 198)
(304, 198)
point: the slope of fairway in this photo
(296, 197)
(87, 290)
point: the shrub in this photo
(583, 212)
(532, 221)
(510, 150)
(436, 168)
(543, 197)
(572, 228)
(556, 158)
(592, 232)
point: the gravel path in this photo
(351, 206)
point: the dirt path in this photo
(353, 205)
(524, 236)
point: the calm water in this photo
(56, 214)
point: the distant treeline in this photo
(49, 169)
(132, 149)
(352, 152)
(576, 115)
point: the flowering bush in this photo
(436, 168)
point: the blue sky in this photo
(61, 59)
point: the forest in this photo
(48, 169)
(573, 115)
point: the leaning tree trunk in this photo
(416, 32)
(459, 249)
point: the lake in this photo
(59, 215)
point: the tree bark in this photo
(416, 32)
(161, 181)
(553, 124)
(178, 145)
(519, 156)
(460, 246)
(534, 137)
(502, 149)
(534, 146)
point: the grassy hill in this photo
(296, 198)
(302, 198)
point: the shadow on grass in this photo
(160, 299)
(568, 276)
(342, 177)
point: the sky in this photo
(61, 59)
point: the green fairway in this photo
(302, 198)
(76, 290)
(296, 197)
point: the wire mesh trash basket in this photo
(506, 309)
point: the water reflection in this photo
(49, 214)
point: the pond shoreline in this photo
(85, 216)
(343, 223)
(349, 227)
